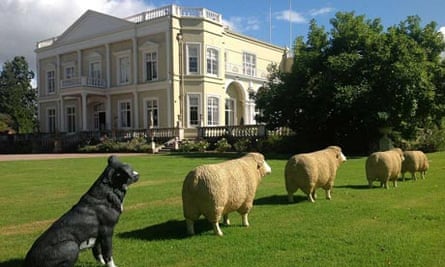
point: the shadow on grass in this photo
(278, 200)
(353, 186)
(12, 263)
(172, 229)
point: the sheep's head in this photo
(338, 154)
(261, 164)
(399, 152)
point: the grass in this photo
(402, 226)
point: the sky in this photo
(25, 22)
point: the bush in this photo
(222, 145)
(242, 145)
(109, 146)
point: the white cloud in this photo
(442, 30)
(291, 16)
(321, 11)
(25, 22)
(242, 24)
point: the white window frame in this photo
(69, 71)
(249, 64)
(230, 113)
(189, 106)
(71, 123)
(123, 74)
(150, 48)
(51, 81)
(51, 116)
(97, 108)
(124, 120)
(213, 110)
(148, 108)
(189, 56)
(212, 61)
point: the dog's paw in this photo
(111, 263)
(100, 259)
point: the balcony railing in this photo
(251, 72)
(83, 81)
(176, 11)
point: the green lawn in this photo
(402, 226)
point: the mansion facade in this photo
(168, 67)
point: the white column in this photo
(84, 111)
(136, 110)
(108, 65)
(62, 115)
(79, 63)
(58, 70)
(135, 61)
(108, 118)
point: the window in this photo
(99, 116)
(212, 61)
(124, 114)
(51, 115)
(151, 66)
(124, 70)
(51, 81)
(230, 112)
(152, 117)
(212, 111)
(71, 119)
(249, 64)
(192, 58)
(193, 110)
(95, 74)
(69, 72)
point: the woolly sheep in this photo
(309, 171)
(415, 161)
(215, 190)
(384, 166)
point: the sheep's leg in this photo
(245, 219)
(290, 197)
(403, 177)
(311, 196)
(394, 182)
(190, 226)
(216, 229)
(328, 194)
(413, 175)
(226, 220)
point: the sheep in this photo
(215, 190)
(384, 166)
(415, 161)
(309, 171)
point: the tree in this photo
(347, 83)
(17, 97)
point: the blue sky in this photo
(24, 22)
(252, 17)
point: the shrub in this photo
(242, 145)
(222, 145)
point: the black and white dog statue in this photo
(89, 223)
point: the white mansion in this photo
(169, 67)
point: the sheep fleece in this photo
(310, 171)
(217, 189)
(384, 166)
(415, 161)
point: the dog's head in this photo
(120, 175)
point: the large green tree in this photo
(17, 97)
(348, 82)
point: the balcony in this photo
(240, 70)
(82, 81)
(178, 11)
